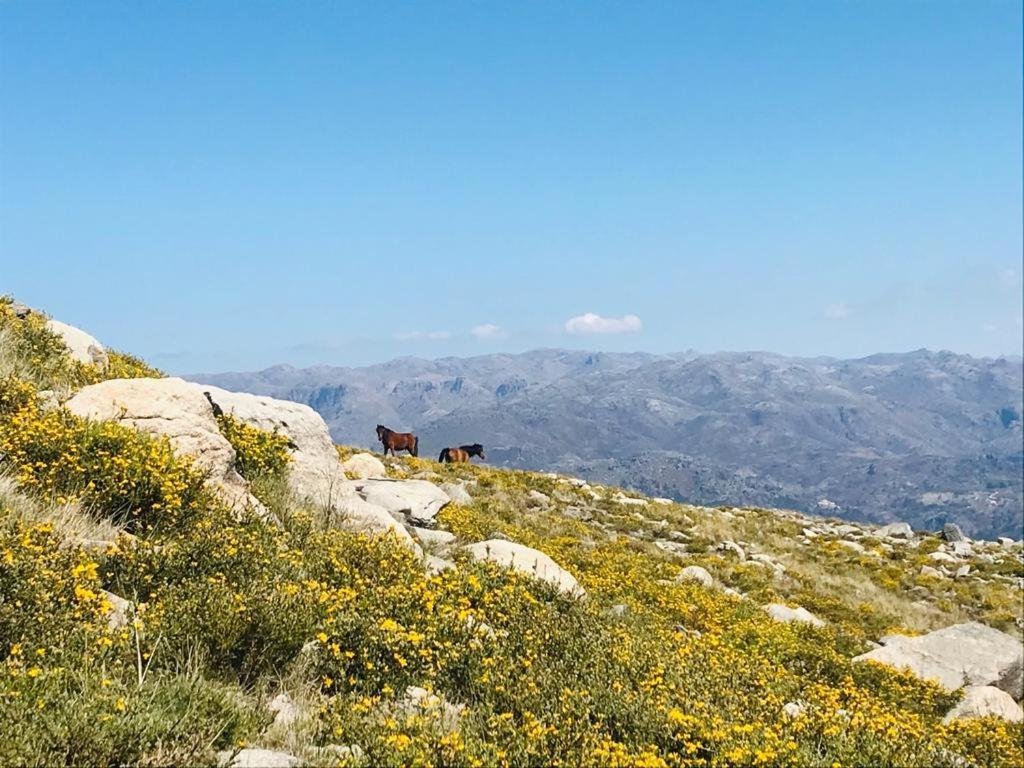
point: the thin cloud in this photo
(487, 331)
(838, 311)
(594, 323)
(423, 335)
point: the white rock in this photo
(962, 654)
(927, 570)
(785, 614)
(176, 409)
(418, 501)
(895, 531)
(766, 560)
(983, 701)
(528, 561)
(257, 758)
(962, 549)
(541, 498)
(852, 545)
(942, 557)
(962, 571)
(732, 546)
(793, 709)
(662, 500)
(81, 346)
(629, 501)
(363, 466)
(672, 547)
(1006, 542)
(315, 472)
(432, 536)
(436, 565)
(457, 493)
(421, 701)
(283, 709)
(697, 574)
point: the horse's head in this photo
(381, 431)
(476, 450)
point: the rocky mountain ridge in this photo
(927, 437)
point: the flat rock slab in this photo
(526, 560)
(963, 654)
(418, 501)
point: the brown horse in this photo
(462, 454)
(398, 441)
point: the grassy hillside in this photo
(338, 631)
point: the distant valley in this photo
(926, 437)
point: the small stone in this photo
(952, 532)
(697, 574)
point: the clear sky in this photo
(229, 185)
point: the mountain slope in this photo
(928, 437)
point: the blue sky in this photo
(231, 185)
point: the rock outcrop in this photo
(963, 654)
(315, 473)
(81, 346)
(175, 409)
(526, 560)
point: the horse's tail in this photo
(444, 456)
(415, 446)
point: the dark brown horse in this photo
(462, 454)
(398, 441)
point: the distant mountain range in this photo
(926, 437)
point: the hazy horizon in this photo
(667, 355)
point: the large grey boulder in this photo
(785, 614)
(417, 501)
(963, 654)
(81, 346)
(526, 560)
(985, 701)
(172, 408)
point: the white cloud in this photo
(837, 311)
(486, 331)
(594, 323)
(423, 335)
(990, 327)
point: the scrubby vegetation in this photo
(228, 610)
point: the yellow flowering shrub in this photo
(259, 454)
(113, 470)
(72, 691)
